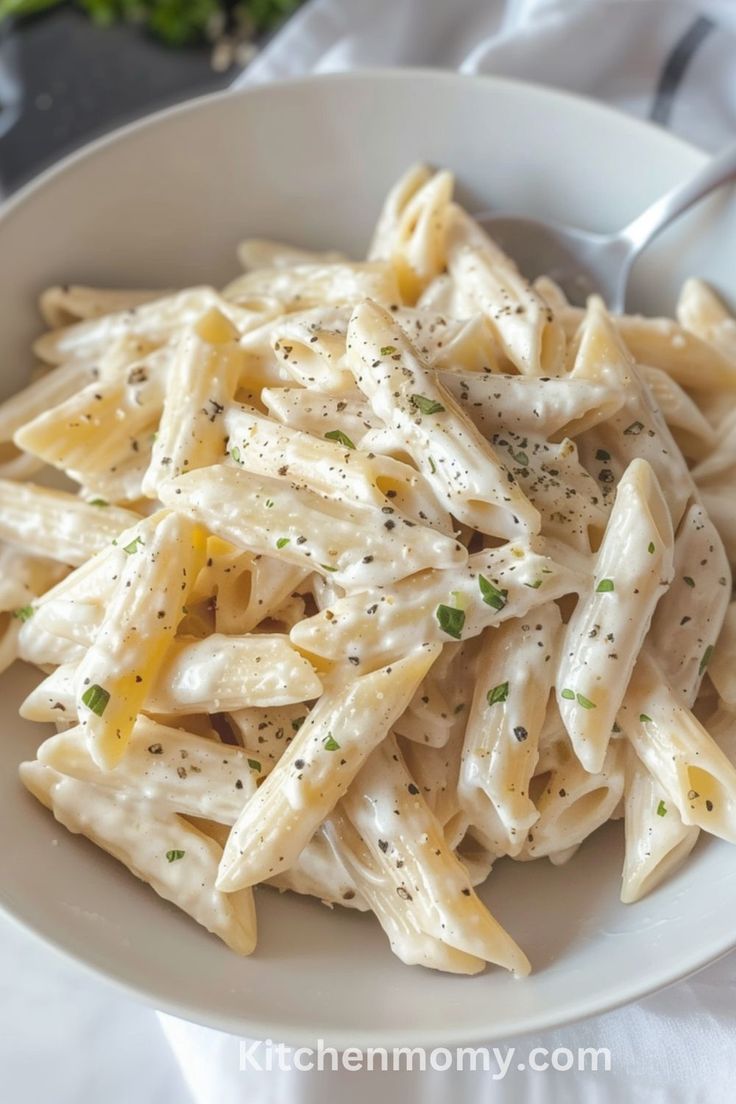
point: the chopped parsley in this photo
(689, 580)
(340, 437)
(450, 620)
(133, 546)
(571, 695)
(432, 466)
(96, 698)
(498, 694)
(492, 595)
(651, 548)
(269, 503)
(586, 703)
(535, 585)
(605, 586)
(25, 613)
(645, 719)
(297, 723)
(235, 453)
(174, 856)
(330, 743)
(388, 350)
(98, 502)
(328, 567)
(425, 405)
(254, 765)
(661, 809)
(282, 542)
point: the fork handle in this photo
(721, 169)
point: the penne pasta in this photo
(607, 629)
(380, 624)
(115, 676)
(316, 769)
(356, 545)
(151, 844)
(457, 462)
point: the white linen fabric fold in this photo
(671, 62)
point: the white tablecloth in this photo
(66, 1037)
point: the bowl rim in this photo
(296, 1033)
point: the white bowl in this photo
(163, 203)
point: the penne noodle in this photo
(316, 769)
(57, 525)
(575, 802)
(411, 850)
(607, 629)
(117, 672)
(381, 624)
(489, 281)
(63, 305)
(637, 430)
(356, 545)
(516, 669)
(678, 752)
(689, 617)
(201, 381)
(456, 460)
(657, 842)
(151, 844)
(173, 769)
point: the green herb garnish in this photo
(282, 542)
(605, 586)
(425, 405)
(96, 698)
(330, 743)
(340, 437)
(388, 350)
(651, 548)
(586, 703)
(133, 546)
(174, 856)
(235, 453)
(25, 613)
(498, 694)
(645, 719)
(492, 595)
(689, 580)
(450, 620)
(98, 502)
(568, 695)
(661, 809)
(254, 765)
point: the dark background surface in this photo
(64, 80)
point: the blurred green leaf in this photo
(25, 7)
(176, 22)
(267, 13)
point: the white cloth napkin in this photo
(675, 63)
